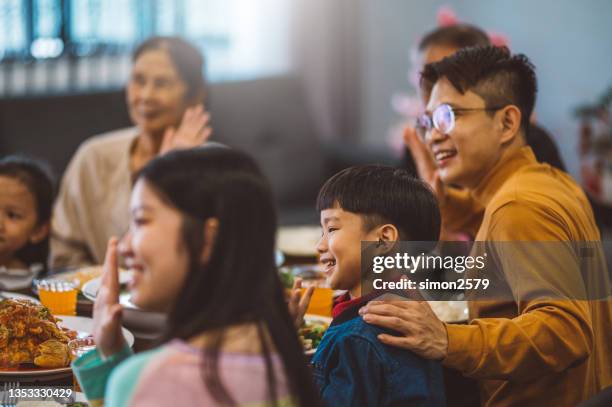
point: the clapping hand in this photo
(425, 164)
(298, 303)
(193, 131)
(107, 310)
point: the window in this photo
(240, 38)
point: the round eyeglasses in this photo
(443, 118)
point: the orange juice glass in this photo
(60, 297)
(321, 302)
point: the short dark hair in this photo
(456, 36)
(187, 60)
(382, 194)
(493, 73)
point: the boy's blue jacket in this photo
(353, 368)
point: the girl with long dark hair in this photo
(201, 247)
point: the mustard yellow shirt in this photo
(537, 349)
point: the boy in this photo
(351, 366)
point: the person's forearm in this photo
(93, 371)
(548, 338)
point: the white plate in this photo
(17, 296)
(298, 240)
(450, 311)
(84, 328)
(17, 279)
(90, 289)
(315, 318)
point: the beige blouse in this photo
(93, 201)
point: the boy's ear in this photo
(388, 233)
(39, 233)
(211, 227)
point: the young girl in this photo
(201, 247)
(26, 199)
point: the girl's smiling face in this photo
(154, 249)
(18, 219)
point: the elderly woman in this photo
(165, 95)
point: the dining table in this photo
(460, 391)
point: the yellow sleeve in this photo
(460, 212)
(553, 329)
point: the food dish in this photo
(16, 296)
(312, 332)
(29, 334)
(35, 343)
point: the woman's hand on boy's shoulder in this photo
(422, 332)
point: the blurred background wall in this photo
(315, 77)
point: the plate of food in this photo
(35, 343)
(145, 324)
(312, 331)
(16, 296)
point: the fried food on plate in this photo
(30, 334)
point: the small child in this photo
(26, 199)
(351, 366)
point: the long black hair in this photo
(37, 177)
(240, 282)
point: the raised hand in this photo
(298, 303)
(425, 164)
(193, 131)
(107, 310)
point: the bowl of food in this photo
(312, 331)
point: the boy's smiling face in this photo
(340, 248)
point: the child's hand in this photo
(193, 131)
(107, 310)
(425, 164)
(298, 303)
